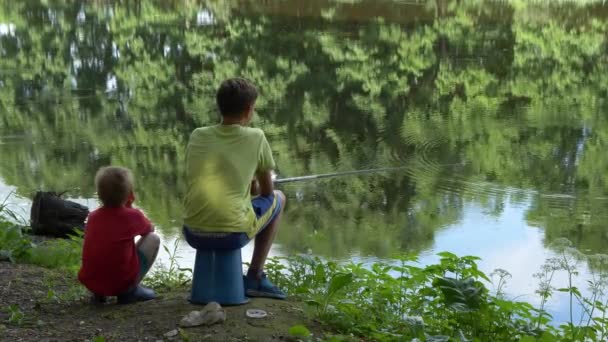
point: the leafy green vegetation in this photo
(299, 331)
(16, 316)
(17, 246)
(14, 245)
(447, 301)
(58, 253)
(169, 277)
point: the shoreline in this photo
(52, 309)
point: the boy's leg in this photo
(147, 247)
(147, 250)
(264, 240)
(256, 283)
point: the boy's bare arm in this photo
(255, 189)
(265, 185)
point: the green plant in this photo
(62, 289)
(299, 331)
(59, 253)
(446, 301)
(14, 245)
(8, 214)
(171, 277)
(16, 316)
(184, 336)
(323, 299)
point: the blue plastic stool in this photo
(218, 277)
(218, 273)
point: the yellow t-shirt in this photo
(221, 161)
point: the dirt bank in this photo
(52, 311)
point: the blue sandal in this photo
(262, 288)
(138, 294)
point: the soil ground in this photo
(35, 291)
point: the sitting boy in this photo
(112, 263)
(221, 161)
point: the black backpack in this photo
(53, 216)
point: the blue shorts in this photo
(266, 209)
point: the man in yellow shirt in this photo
(221, 198)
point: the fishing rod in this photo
(336, 174)
(347, 173)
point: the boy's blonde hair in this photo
(114, 184)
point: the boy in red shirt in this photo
(112, 263)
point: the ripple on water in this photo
(455, 178)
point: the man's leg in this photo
(148, 245)
(264, 240)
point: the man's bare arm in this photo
(265, 185)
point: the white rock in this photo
(213, 306)
(192, 319)
(172, 333)
(212, 313)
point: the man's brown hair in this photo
(113, 185)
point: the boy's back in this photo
(109, 261)
(220, 164)
(112, 263)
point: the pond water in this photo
(495, 110)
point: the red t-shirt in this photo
(109, 257)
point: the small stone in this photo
(212, 313)
(160, 341)
(81, 323)
(192, 319)
(213, 306)
(171, 333)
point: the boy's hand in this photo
(130, 200)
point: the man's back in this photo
(220, 164)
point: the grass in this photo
(171, 277)
(64, 254)
(14, 244)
